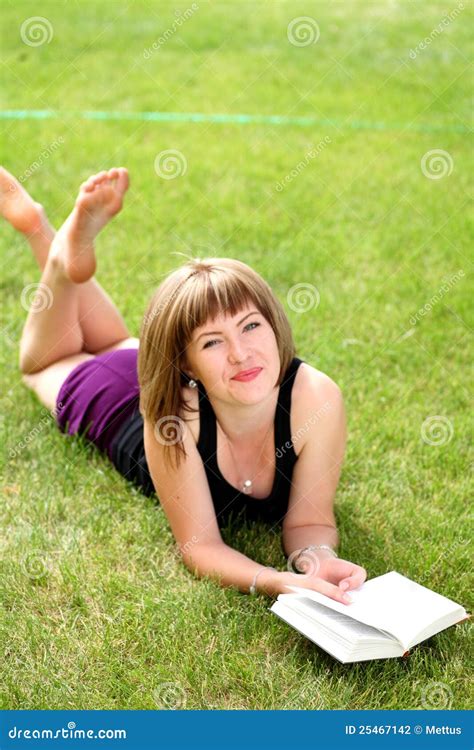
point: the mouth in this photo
(247, 375)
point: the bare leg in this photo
(100, 321)
(53, 331)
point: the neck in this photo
(242, 423)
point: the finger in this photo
(324, 587)
(356, 578)
(334, 592)
(336, 569)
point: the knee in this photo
(28, 380)
(28, 365)
(36, 383)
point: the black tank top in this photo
(128, 456)
(229, 502)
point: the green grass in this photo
(111, 616)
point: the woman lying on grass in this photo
(207, 417)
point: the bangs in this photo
(209, 297)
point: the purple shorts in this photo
(98, 396)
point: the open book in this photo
(388, 615)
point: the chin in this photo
(252, 392)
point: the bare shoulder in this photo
(315, 398)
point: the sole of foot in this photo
(18, 207)
(100, 199)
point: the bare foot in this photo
(18, 207)
(99, 199)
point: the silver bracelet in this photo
(253, 589)
(315, 547)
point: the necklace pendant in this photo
(247, 486)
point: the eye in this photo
(208, 343)
(213, 341)
(252, 324)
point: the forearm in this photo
(229, 567)
(298, 537)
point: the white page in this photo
(345, 627)
(307, 628)
(392, 603)
(342, 651)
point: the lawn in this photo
(340, 192)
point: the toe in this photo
(123, 179)
(100, 177)
(92, 180)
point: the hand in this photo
(344, 574)
(330, 576)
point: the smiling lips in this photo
(247, 375)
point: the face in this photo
(226, 346)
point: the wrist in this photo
(268, 582)
(308, 559)
(287, 578)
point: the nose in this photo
(237, 353)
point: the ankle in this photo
(55, 267)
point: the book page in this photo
(392, 603)
(345, 627)
(339, 647)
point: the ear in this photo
(187, 372)
(189, 375)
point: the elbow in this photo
(192, 565)
(200, 558)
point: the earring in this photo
(192, 383)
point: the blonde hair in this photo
(188, 297)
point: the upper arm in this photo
(183, 493)
(317, 470)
